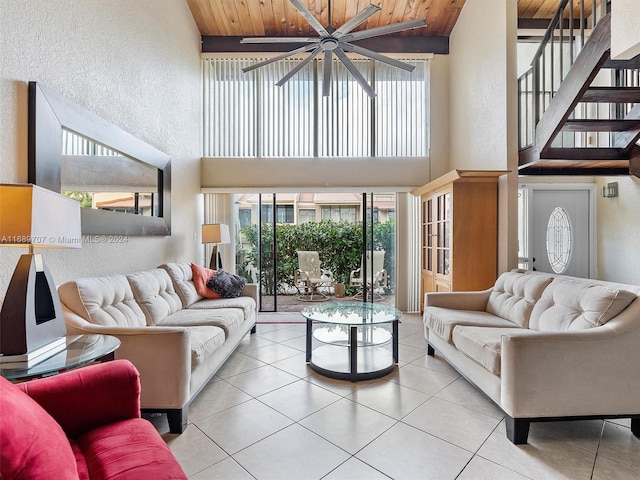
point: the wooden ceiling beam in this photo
(387, 44)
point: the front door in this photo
(560, 230)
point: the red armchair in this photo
(83, 424)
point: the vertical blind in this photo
(248, 115)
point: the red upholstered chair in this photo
(82, 424)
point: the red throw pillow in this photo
(201, 276)
(32, 444)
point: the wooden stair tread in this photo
(584, 153)
(601, 125)
(612, 95)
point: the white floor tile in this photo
(480, 468)
(299, 399)
(539, 459)
(404, 452)
(216, 397)
(262, 380)
(455, 424)
(243, 425)
(292, 453)
(194, 450)
(389, 398)
(347, 424)
(354, 469)
(227, 469)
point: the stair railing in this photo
(538, 85)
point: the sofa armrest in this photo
(570, 373)
(250, 290)
(162, 356)
(476, 300)
(83, 399)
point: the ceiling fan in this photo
(335, 41)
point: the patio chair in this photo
(309, 277)
(375, 271)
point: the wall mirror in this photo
(122, 182)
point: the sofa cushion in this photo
(106, 301)
(81, 461)
(113, 451)
(32, 444)
(482, 344)
(201, 277)
(204, 341)
(184, 282)
(247, 304)
(441, 321)
(574, 305)
(154, 292)
(515, 294)
(228, 319)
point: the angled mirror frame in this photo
(49, 114)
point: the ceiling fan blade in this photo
(355, 72)
(357, 20)
(298, 67)
(376, 56)
(326, 73)
(308, 16)
(384, 30)
(279, 40)
(306, 48)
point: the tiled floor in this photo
(266, 415)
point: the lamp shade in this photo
(32, 215)
(215, 233)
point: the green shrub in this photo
(339, 245)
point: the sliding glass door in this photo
(351, 235)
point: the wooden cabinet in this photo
(459, 230)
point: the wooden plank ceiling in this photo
(224, 18)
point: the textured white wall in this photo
(625, 29)
(483, 108)
(618, 223)
(135, 63)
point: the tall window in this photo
(247, 115)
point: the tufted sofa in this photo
(176, 338)
(543, 347)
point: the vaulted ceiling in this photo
(224, 18)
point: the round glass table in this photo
(79, 350)
(352, 340)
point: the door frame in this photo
(528, 189)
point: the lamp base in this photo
(216, 259)
(31, 314)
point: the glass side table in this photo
(352, 340)
(79, 351)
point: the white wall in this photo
(483, 108)
(134, 63)
(618, 223)
(625, 29)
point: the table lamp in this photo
(31, 317)
(215, 233)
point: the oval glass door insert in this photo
(559, 240)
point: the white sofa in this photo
(176, 339)
(543, 347)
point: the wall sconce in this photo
(31, 318)
(215, 233)
(610, 190)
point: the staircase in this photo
(579, 113)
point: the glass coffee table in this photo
(352, 340)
